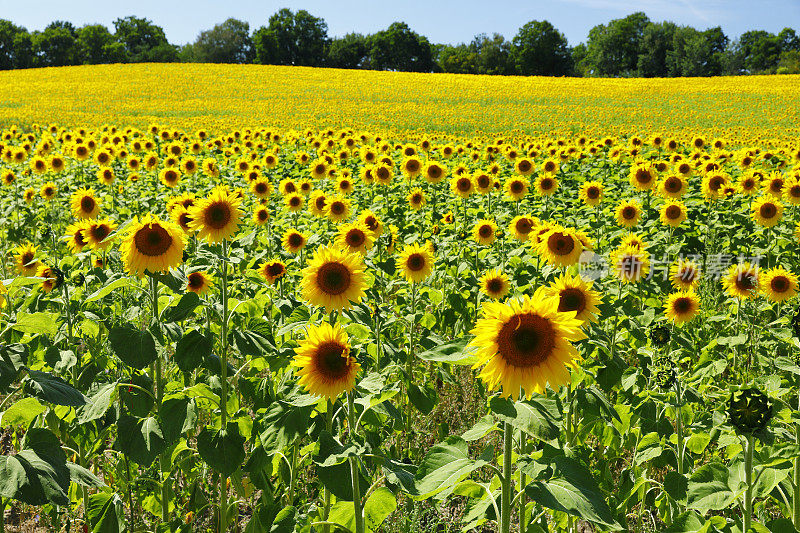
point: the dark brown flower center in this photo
(152, 240)
(572, 299)
(526, 340)
(560, 244)
(333, 278)
(415, 262)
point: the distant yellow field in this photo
(221, 97)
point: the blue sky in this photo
(443, 21)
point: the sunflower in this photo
(180, 215)
(550, 166)
(628, 213)
(317, 203)
(495, 284)
(434, 172)
(521, 227)
(338, 209)
(546, 185)
(51, 277)
(517, 187)
(575, 294)
(525, 344)
(483, 182)
(84, 204)
(448, 218)
(642, 176)
(105, 175)
(96, 233)
(29, 195)
(74, 235)
(48, 190)
(462, 185)
(294, 241)
(25, 259)
(372, 222)
(261, 188)
(791, 190)
(714, 185)
(355, 237)
(766, 211)
(684, 274)
(170, 177)
(324, 363)
(741, 280)
(673, 186)
(630, 264)
(260, 215)
(216, 217)
(319, 169)
(682, 306)
(152, 245)
(272, 270)
(559, 246)
(591, 193)
(778, 284)
(774, 184)
(333, 279)
(416, 199)
(199, 282)
(416, 262)
(383, 174)
(411, 167)
(524, 166)
(484, 232)
(673, 213)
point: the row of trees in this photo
(630, 46)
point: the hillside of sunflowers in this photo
(278, 299)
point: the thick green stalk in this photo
(223, 486)
(326, 511)
(359, 515)
(410, 363)
(748, 470)
(505, 503)
(163, 460)
(522, 482)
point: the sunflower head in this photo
(778, 284)
(294, 240)
(25, 259)
(591, 193)
(575, 294)
(84, 204)
(559, 246)
(198, 282)
(521, 226)
(333, 279)
(272, 270)
(681, 307)
(749, 410)
(484, 232)
(152, 245)
(741, 281)
(324, 362)
(416, 262)
(628, 213)
(355, 237)
(495, 284)
(216, 217)
(630, 264)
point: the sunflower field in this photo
(380, 328)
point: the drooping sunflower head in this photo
(152, 245)
(96, 233)
(684, 274)
(766, 211)
(325, 365)
(84, 204)
(416, 262)
(495, 284)
(681, 307)
(372, 222)
(591, 193)
(294, 240)
(25, 259)
(524, 345)
(559, 246)
(672, 213)
(778, 284)
(216, 217)
(199, 282)
(333, 279)
(484, 232)
(741, 281)
(272, 270)
(575, 294)
(628, 213)
(630, 264)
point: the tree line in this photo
(624, 47)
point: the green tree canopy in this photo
(291, 39)
(541, 50)
(227, 42)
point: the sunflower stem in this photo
(616, 320)
(163, 460)
(223, 404)
(327, 494)
(359, 516)
(748, 471)
(410, 363)
(505, 504)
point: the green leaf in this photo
(445, 465)
(572, 490)
(535, 417)
(688, 522)
(178, 415)
(108, 289)
(423, 400)
(84, 477)
(343, 514)
(22, 412)
(106, 513)
(698, 442)
(141, 439)
(38, 474)
(134, 347)
(482, 427)
(192, 349)
(222, 449)
(380, 504)
(53, 389)
(332, 452)
(183, 309)
(709, 488)
(252, 343)
(13, 358)
(455, 353)
(98, 403)
(282, 424)
(284, 521)
(37, 323)
(676, 485)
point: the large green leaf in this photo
(106, 513)
(53, 389)
(709, 488)
(192, 349)
(572, 490)
(379, 505)
(537, 417)
(13, 358)
(222, 449)
(107, 289)
(446, 464)
(134, 347)
(38, 474)
(98, 403)
(331, 452)
(22, 412)
(182, 309)
(454, 353)
(141, 439)
(37, 323)
(178, 415)
(282, 424)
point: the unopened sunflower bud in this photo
(749, 410)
